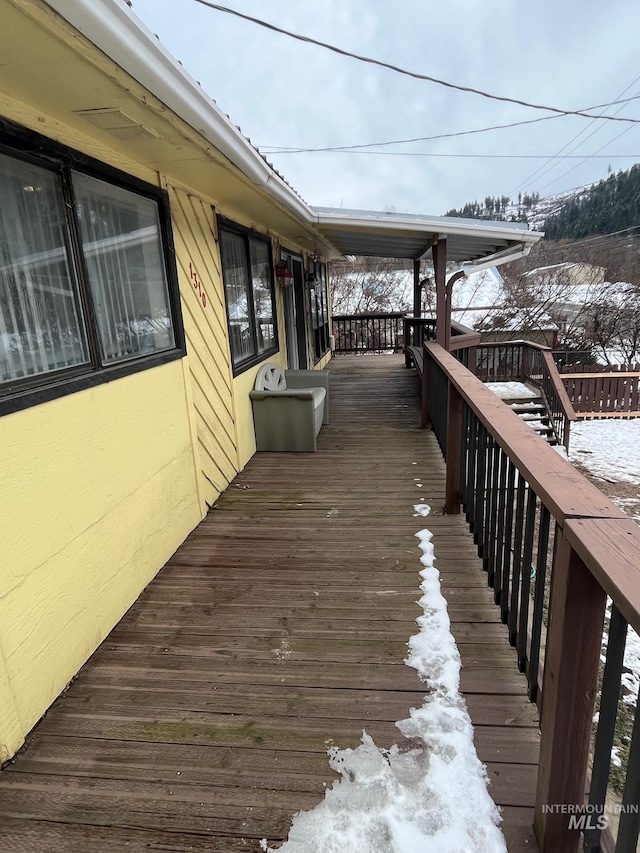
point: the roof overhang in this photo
(410, 236)
(112, 27)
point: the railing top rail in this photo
(617, 374)
(603, 536)
(563, 398)
(495, 344)
(610, 548)
(460, 329)
(563, 490)
(380, 316)
(461, 341)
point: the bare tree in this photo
(370, 285)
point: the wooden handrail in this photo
(494, 461)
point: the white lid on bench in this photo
(270, 377)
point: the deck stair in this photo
(532, 409)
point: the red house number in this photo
(197, 285)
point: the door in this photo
(295, 316)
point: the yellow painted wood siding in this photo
(205, 323)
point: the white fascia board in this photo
(439, 225)
(115, 30)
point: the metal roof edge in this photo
(518, 232)
(112, 27)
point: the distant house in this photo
(480, 302)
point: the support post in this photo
(417, 300)
(570, 682)
(443, 305)
(425, 419)
(454, 452)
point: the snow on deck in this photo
(428, 795)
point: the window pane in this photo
(122, 248)
(41, 326)
(236, 285)
(262, 300)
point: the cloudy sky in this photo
(570, 54)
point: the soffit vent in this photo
(117, 123)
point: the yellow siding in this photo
(98, 490)
(207, 346)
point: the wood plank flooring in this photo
(277, 629)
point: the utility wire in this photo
(547, 167)
(588, 157)
(281, 149)
(476, 156)
(404, 71)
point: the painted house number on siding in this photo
(197, 285)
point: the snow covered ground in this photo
(428, 793)
(608, 448)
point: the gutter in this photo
(513, 253)
(441, 226)
(112, 27)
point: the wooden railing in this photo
(367, 332)
(528, 362)
(603, 391)
(417, 330)
(554, 547)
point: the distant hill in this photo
(609, 206)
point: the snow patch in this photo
(608, 449)
(512, 390)
(422, 509)
(427, 795)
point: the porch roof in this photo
(411, 236)
(269, 199)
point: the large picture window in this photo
(85, 288)
(248, 285)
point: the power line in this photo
(473, 156)
(588, 157)
(543, 170)
(404, 71)
(282, 149)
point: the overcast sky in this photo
(570, 54)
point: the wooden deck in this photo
(278, 628)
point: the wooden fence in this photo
(603, 391)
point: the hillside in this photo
(612, 205)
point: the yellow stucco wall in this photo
(98, 490)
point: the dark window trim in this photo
(321, 333)
(24, 144)
(232, 227)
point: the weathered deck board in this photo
(278, 628)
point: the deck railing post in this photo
(454, 452)
(570, 681)
(525, 365)
(406, 341)
(424, 402)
